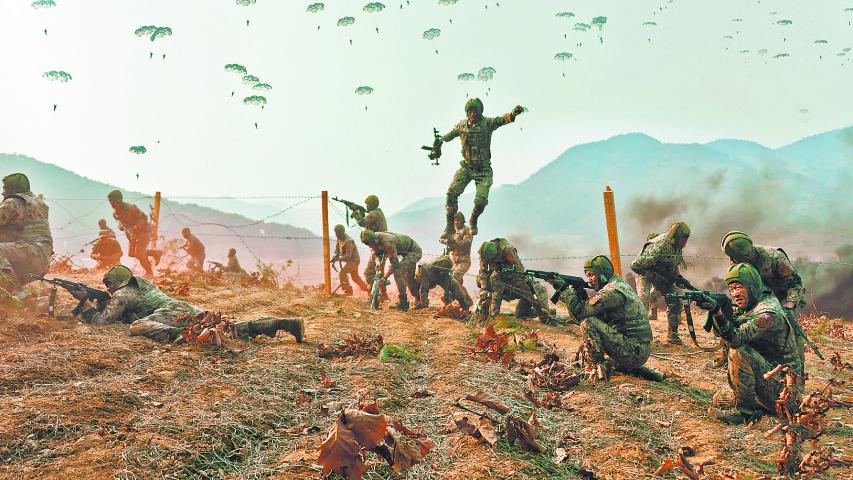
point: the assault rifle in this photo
(376, 287)
(578, 284)
(100, 297)
(723, 302)
(435, 149)
(351, 206)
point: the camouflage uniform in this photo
(437, 273)
(103, 229)
(195, 249)
(26, 245)
(658, 264)
(233, 265)
(760, 338)
(153, 314)
(347, 253)
(476, 165)
(502, 275)
(614, 319)
(373, 220)
(403, 254)
(106, 251)
(459, 246)
(647, 292)
(135, 225)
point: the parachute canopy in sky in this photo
(763, 51)
(346, 21)
(784, 22)
(564, 14)
(781, 55)
(821, 42)
(447, 2)
(582, 27)
(245, 3)
(161, 32)
(43, 4)
(432, 34)
(255, 100)
(364, 90)
(57, 76)
(374, 7)
(236, 68)
(251, 79)
(737, 19)
(145, 31)
(563, 56)
(315, 8)
(464, 77)
(486, 73)
(138, 149)
(650, 24)
(599, 22)
(262, 87)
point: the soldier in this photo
(760, 337)
(659, 264)
(26, 245)
(502, 276)
(437, 273)
(103, 229)
(347, 254)
(614, 320)
(403, 253)
(475, 132)
(776, 272)
(135, 225)
(233, 265)
(459, 246)
(153, 314)
(648, 294)
(106, 251)
(195, 249)
(373, 219)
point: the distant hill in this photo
(76, 203)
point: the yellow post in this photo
(155, 220)
(612, 233)
(327, 270)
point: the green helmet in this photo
(16, 183)
(651, 235)
(678, 230)
(371, 202)
(444, 262)
(748, 276)
(367, 236)
(738, 246)
(601, 266)
(339, 229)
(117, 277)
(474, 103)
(488, 251)
(185, 231)
(115, 195)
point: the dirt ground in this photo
(88, 402)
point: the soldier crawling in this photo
(346, 254)
(502, 277)
(403, 253)
(437, 273)
(475, 133)
(135, 225)
(373, 219)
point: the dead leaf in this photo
(524, 432)
(407, 447)
(665, 467)
(560, 455)
(340, 453)
(368, 429)
(483, 399)
(422, 393)
(480, 428)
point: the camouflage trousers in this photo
(350, 269)
(515, 285)
(461, 265)
(628, 353)
(404, 274)
(794, 316)
(20, 259)
(161, 325)
(649, 295)
(482, 178)
(673, 308)
(453, 290)
(196, 264)
(370, 273)
(746, 378)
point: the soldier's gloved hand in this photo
(442, 241)
(558, 283)
(707, 303)
(78, 293)
(517, 110)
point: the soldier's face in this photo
(739, 294)
(682, 242)
(473, 115)
(591, 278)
(457, 223)
(115, 203)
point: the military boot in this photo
(644, 372)
(269, 326)
(737, 416)
(8, 285)
(347, 289)
(403, 305)
(673, 319)
(475, 215)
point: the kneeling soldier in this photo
(438, 273)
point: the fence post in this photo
(612, 233)
(327, 270)
(155, 220)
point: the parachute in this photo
(486, 73)
(251, 79)
(599, 22)
(564, 14)
(43, 4)
(728, 37)
(145, 31)
(161, 32)
(374, 7)
(262, 87)
(236, 68)
(346, 21)
(315, 8)
(255, 100)
(763, 51)
(57, 76)
(781, 55)
(744, 51)
(737, 19)
(138, 149)
(784, 22)
(245, 3)
(563, 56)
(821, 42)
(447, 2)
(650, 24)
(432, 34)
(364, 90)
(582, 27)
(464, 77)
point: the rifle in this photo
(351, 206)
(435, 149)
(578, 284)
(723, 302)
(100, 297)
(798, 329)
(378, 280)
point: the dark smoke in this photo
(830, 285)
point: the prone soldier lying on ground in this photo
(153, 314)
(438, 273)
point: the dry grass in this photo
(91, 402)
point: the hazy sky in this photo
(688, 84)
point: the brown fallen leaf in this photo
(524, 432)
(422, 393)
(340, 453)
(368, 429)
(665, 467)
(560, 455)
(407, 447)
(480, 428)
(483, 399)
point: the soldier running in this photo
(346, 253)
(135, 225)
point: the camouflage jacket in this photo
(459, 245)
(234, 265)
(506, 260)
(345, 250)
(765, 327)
(107, 247)
(435, 273)
(395, 245)
(477, 139)
(659, 256)
(23, 218)
(616, 304)
(139, 298)
(132, 220)
(779, 275)
(373, 220)
(194, 247)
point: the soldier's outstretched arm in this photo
(453, 133)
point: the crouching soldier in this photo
(153, 314)
(439, 273)
(502, 277)
(403, 253)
